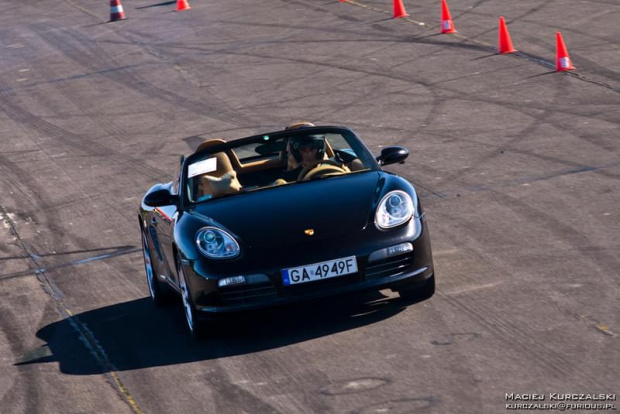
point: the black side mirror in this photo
(392, 155)
(160, 198)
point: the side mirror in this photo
(392, 155)
(160, 198)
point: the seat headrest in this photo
(222, 181)
(222, 165)
(210, 143)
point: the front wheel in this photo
(159, 293)
(196, 327)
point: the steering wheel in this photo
(324, 167)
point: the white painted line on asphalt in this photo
(472, 288)
(446, 252)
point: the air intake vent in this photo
(236, 295)
(389, 267)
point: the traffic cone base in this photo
(182, 5)
(504, 44)
(116, 10)
(447, 25)
(399, 9)
(562, 60)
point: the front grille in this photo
(389, 267)
(235, 295)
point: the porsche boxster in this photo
(282, 217)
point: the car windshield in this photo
(282, 158)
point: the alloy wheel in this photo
(187, 304)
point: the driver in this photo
(303, 152)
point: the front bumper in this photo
(265, 287)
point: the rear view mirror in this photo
(160, 198)
(392, 155)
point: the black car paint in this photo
(279, 216)
(285, 212)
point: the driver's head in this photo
(307, 149)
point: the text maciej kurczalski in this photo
(555, 396)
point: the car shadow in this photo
(135, 334)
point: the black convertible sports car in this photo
(281, 217)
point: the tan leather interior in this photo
(210, 143)
(223, 180)
(260, 165)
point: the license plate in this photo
(319, 271)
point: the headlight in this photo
(216, 243)
(395, 208)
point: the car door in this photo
(164, 218)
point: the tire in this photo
(160, 294)
(419, 293)
(196, 327)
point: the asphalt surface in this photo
(517, 166)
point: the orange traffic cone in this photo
(562, 60)
(116, 10)
(399, 9)
(505, 44)
(182, 5)
(447, 25)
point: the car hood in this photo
(282, 216)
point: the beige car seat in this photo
(223, 180)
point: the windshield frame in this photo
(351, 137)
